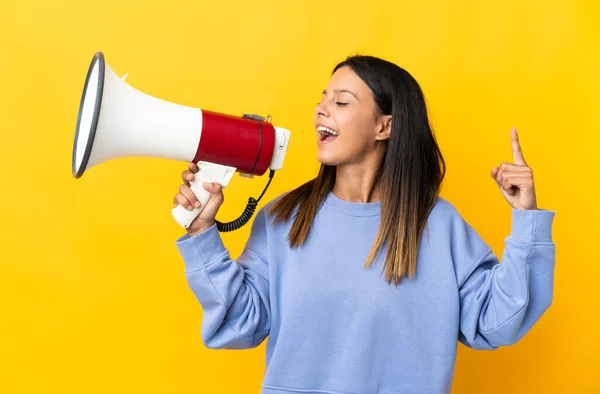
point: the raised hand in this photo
(516, 180)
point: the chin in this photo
(328, 159)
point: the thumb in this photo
(212, 187)
(216, 193)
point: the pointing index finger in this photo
(516, 148)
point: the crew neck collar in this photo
(353, 208)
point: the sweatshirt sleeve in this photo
(499, 303)
(234, 295)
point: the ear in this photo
(384, 127)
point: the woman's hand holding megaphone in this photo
(189, 201)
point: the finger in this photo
(513, 170)
(499, 176)
(184, 202)
(518, 181)
(187, 193)
(502, 179)
(516, 148)
(494, 172)
(513, 167)
(515, 183)
(187, 176)
(499, 184)
(507, 187)
(212, 187)
(193, 167)
(215, 190)
(517, 175)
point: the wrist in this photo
(200, 228)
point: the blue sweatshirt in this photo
(336, 327)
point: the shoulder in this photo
(447, 223)
(446, 218)
(269, 205)
(267, 208)
(444, 211)
(266, 214)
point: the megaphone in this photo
(116, 120)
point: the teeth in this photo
(327, 130)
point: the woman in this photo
(364, 279)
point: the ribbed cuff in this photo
(201, 249)
(532, 225)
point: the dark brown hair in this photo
(411, 173)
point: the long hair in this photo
(411, 173)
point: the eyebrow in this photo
(341, 91)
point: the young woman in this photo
(364, 279)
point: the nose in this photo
(321, 110)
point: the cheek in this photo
(352, 121)
(357, 128)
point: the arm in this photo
(501, 302)
(234, 294)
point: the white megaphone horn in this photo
(115, 120)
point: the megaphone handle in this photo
(185, 217)
(208, 172)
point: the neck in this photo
(357, 183)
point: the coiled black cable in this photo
(248, 212)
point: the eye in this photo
(340, 104)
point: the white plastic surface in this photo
(282, 139)
(208, 172)
(132, 123)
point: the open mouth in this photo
(326, 134)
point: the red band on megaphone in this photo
(245, 144)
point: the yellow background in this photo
(93, 297)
